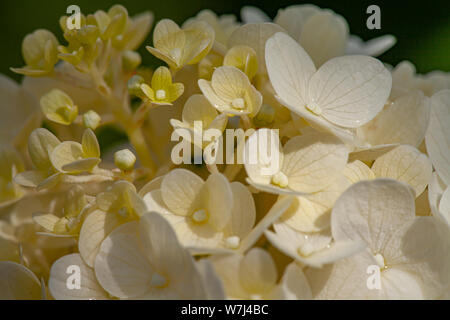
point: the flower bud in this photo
(91, 119)
(59, 107)
(124, 159)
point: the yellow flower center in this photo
(314, 108)
(200, 216)
(280, 179)
(175, 54)
(305, 250)
(380, 261)
(123, 212)
(238, 103)
(233, 242)
(160, 94)
(158, 281)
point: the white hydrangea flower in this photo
(306, 163)
(343, 94)
(254, 276)
(411, 252)
(144, 260)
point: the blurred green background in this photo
(422, 28)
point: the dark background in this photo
(421, 27)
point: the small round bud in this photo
(131, 60)
(124, 160)
(91, 119)
(134, 86)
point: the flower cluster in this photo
(362, 182)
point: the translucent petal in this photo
(289, 68)
(243, 215)
(18, 283)
(40, 145)
(90, 289)
(255, 36)
(350, 90)
(406, 164)
(257, 272)
(94, 230)
(312, 162)
(437, 137)
(403, 121)
(371, 212)
(324, 36)
(180, 189)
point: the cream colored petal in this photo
(189, 234)
(82, 165)
(356, 171)
(216, 198)
(351, 90)
(406, 164)
(250, 14)
(344, 279)
(66, 153)
(371, 153)
(227, 268)
(94, 230)
(89, 143)
(30, 178)
(311, 249)
(295, 283)
(289, 68)
(437, 137)
(18, 283)
(211, 281)
(67, 267)
(218, 102)
(198, 108)
(324, 36)
(444, 205)
(180, 189)
(422, 250)
(164, 28)
(374, 47)
(371, 212)
(403, 121)
(46, 220)
(255, 36)
(40, 145)
(257, 272)
(121, 266)
(243, 215)
(436, 188)
(312, 162)
(294, 17)
(199, 41)
(263, 156)
(229, 83)
(244, 58)
(163, 249)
